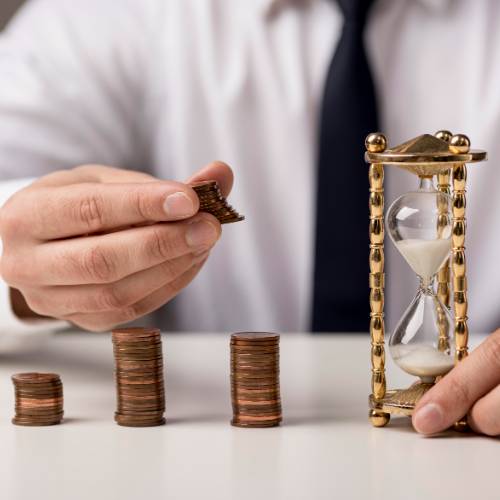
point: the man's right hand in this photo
(100, 246)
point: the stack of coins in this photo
(139, 377)
(255, 388)
(213, 202)
(39, 399)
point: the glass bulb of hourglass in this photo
(419, 224)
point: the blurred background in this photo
(418, 69)
(7, 8)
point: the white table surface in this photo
(325, 448)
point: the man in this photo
(156, 88)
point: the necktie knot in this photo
(355, 11)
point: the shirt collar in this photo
(271, 8)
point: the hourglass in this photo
(427, 226)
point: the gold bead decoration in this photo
(377, 231)
(459, 177)
(377, 300)
(376, 259)
(444, 135)
(376, 142)
(459, 144)
(377, 329)
(376, 204)
(379, 418)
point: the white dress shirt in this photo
(168, 85)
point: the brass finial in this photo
(459, 144)
(378, 418)
(444, 135)
(375, 142)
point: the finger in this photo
(107, 321)
(66, 211)
(61, 301)
(93, 173)
(451, 398)
(484, 417)
(107, 174)
(216, 171)
(109, 257)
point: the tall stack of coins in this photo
(139, 377)
(213, 202)
(255, 387)
(39, 399)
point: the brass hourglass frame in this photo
(442, 156)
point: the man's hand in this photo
(100, 246)
(472, 387)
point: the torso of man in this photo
(168, 85)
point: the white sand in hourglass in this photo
(425, 257)
(422, 360)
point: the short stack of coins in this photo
(213, 202)
(255, 387)
(139, 377)
(39, 399)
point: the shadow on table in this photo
(198, 419)
(77, 420)
(403, 424)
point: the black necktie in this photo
(349, 113)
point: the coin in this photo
(39, 394)
(255, 336)
(255, 356)
(255, 361)
(268, 395)
(255, 403)
(139, 343)
(257, 418)
(239, 421)
(139, 346)
(35, 378)
(29, 422)
(128, 409)
(50, 412)
(263, 409)
(131, 365)
(134, 333)
(127, 422)
(143, 416)
(38, 403)
(146, 383)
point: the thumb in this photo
(452, 397)
(215, 171)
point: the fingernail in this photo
(178, 205)
(428, 419)
(201, 234)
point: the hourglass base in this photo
(401, 401)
